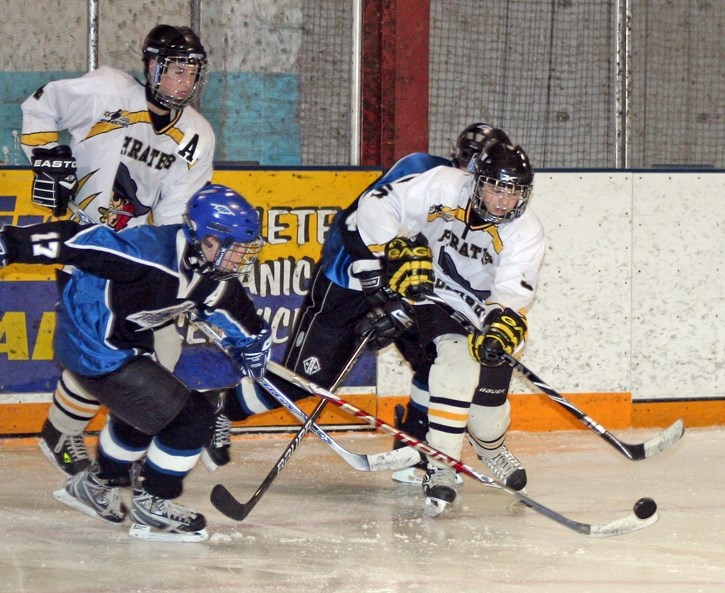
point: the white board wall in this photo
(632, 290)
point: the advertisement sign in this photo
(296, 206)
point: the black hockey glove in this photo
(254, 355)
(387, 322)
(55, 182)
(409, 267)
(389, 316)
(503, 331)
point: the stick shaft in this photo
(618, 527)
(225, 503)
(634, 452)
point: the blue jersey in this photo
(122, 286)
(338, 251)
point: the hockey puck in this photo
(644, 508)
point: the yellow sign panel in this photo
(297, 207)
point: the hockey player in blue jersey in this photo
(124, 284)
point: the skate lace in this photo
(107, 499)
(222, 432)
(175, 511)
(504, 464)
(111, 500)
(75, 446)
(441, 477)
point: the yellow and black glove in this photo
(409, 267)
(504, 331)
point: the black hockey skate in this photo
(216, 452)
(67, 452)
(159, 519)
(439, 486)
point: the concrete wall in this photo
(252, 95)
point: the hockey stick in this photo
(388, 461)
(83, 218)
(635, 452)
(226, 503)
(645, 508)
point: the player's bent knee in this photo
(192, 426)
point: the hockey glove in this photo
(409, 267)
(387, 322)
(253, 357)
(55, 182)
(504, 331)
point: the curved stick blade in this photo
(622, 526)
(665, 439)
(225, 503)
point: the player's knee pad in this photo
(493, 387)
(453, 379)
(191, 427)
(487, 426)
(454, 374)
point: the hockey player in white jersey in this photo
(471, 240)
(325, 333)
(123, 285)
(137, 152)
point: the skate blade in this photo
(409, 475)
(149, 534)
(434, 507)
(63, 496)
(414, 476)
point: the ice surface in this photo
(324, 527)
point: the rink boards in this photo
(627, 323)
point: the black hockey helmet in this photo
(502, 171)
(472, 140)
(165, 45)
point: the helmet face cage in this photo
(176, 65)
(502, 173)
(223, 231)
(233, 259)
(502, 189)
(169, 80)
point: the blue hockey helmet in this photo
(223, 230)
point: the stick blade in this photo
(227, 505)
(665, 439)
(623, 526)
(394, 460)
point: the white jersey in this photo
(128, 173)
(476, 267)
